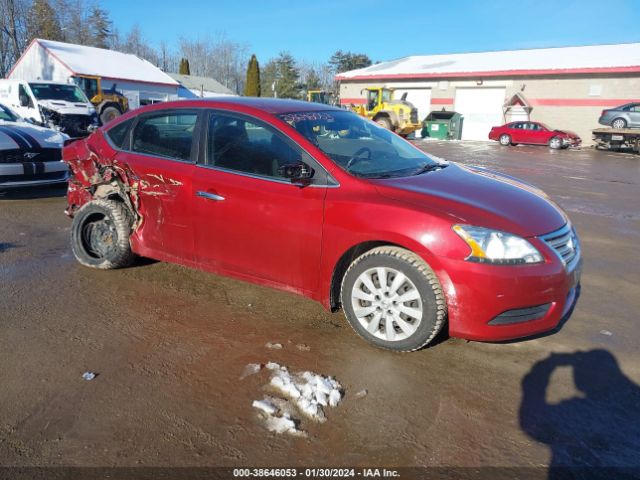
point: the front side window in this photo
(359, 146)
(54, 91)
(167, 134)
(237, 144)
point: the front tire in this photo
(393, 300)
(384, 122)
(505, 140)
(555, 143)
(619, 123)
(108, 114)
(100, 235)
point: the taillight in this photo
(603, 113)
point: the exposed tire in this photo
(384, 122)
(619, 123)
(393, 300)
(555, 143)
(505, 140)
(100, 234)
(108, 114)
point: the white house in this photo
(192, 86)
(139, 80)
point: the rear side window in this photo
(168, 134)
(118, 134)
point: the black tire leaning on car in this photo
(100, 234)
(434, 309)
(505, 140)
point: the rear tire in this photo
(108, 114)
(619, 123)
(505, 140)
(100, 235)
(393, 300)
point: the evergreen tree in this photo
(252, 85)
(42, 21)
(345, 61)
(288, 77)
(100, 27)
(184, 67)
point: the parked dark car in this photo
(533, 133)
(319, 201)
(624, 116)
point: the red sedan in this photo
(533, 133)
(319, 201)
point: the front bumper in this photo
(27, 174)
(496, 303)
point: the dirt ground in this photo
(169, 345)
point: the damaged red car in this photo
(319, 201)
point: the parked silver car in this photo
(624, 116)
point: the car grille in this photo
(565, 243)
(414, 115)
(43, 155)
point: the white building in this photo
(139, 80)
(566, 87)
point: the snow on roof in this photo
(207, 84)
(106, 63)
(563, 60)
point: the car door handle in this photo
(210, 196)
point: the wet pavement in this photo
(169, 345)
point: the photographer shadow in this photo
(595, 434)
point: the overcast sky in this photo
(313, 30)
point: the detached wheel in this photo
(384, 122)
(100, 235)
(109, 114)
(555, 143)
(619, 123)
(505, 140)
(393, 300)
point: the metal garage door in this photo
(481, 108)
(420, 97)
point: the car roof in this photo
(268, 105)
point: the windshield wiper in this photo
(430, 168)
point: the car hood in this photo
(478, 197)
(23, 135)
(68, 108)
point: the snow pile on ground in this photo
(305, 392)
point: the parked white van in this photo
(58, 105)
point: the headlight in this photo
(500, 248)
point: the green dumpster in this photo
(443, 125)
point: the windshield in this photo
(53, 91)
(7, 115)
(360, 146)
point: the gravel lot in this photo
(169, 345)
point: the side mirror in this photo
(298, 172)
(24, 101)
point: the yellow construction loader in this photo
(320, 96)
(398, 116)
(109, 104)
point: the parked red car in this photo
(319, 201)
(534, 133)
